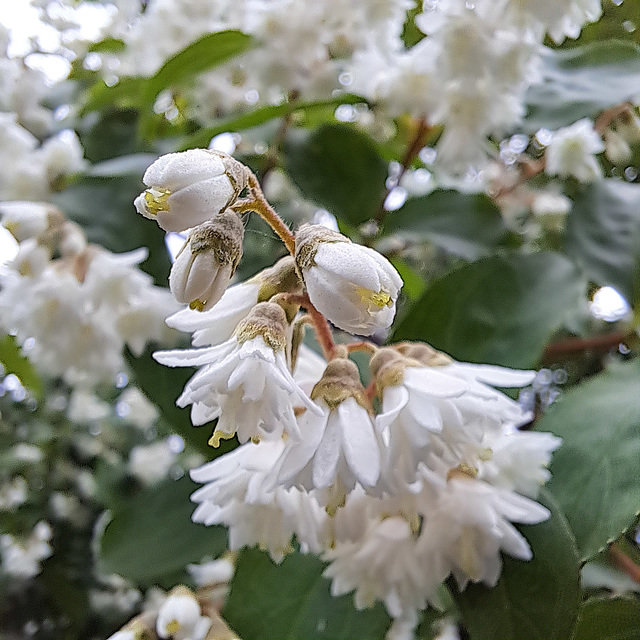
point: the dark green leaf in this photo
(163, 385)
(466, 225)
(603, 233)
(150, 539)
(609, 619)
(339, 168)
(112, 135)
(291, 601)
(582, 82)
(14, 362)
(262, 115)
(122, 165)
(595, 471)
(497, 310)
(536, 600)
(104, 208)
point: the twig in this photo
(416, 143)
(570, 346)
(624, 562)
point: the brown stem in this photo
(363, 345)
(412, 150)
(271, 160)
(624, 562)
(608, 116)
(319, 322)
(570, 346)
(259, 204)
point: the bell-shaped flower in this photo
(337, 448)
(218, 323)
(355, 287)
(207, 261)
(245, 382)
(180, 617)
(189, 187)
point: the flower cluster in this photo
(74, 306)
(395, 499)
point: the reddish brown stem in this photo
(570, 346)
(624, 562)
(369, 347)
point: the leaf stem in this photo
(624, 562)
(570, 346)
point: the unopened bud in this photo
(208, 260)
(190, 187)
(628, 126)
(423, 353)
(266, 319)
(32, 258)
(354, 286)
(27, 219)
(340, 380)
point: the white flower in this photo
(245, 382)
(13, 494)
(26, 219)
(207, 261)
(123, 635)
(134, 407)
(467, 523)
(22, 559)
(151, 463)
(180, 617)
(237, 495)
(214, 572)
(571, 152)
(85, 406)
(337, 448)
(218, 324)
(190, 187)
(354, 286)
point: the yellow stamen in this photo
(157, 200)
(379, 299)
(214, 440)
(173, 627)
(197, 304)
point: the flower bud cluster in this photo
(396, 494)
(75, 306)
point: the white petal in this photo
(359, 442)
(433, 382)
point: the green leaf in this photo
(339, 168)
(163, 385)
(536, 600)
(468, 226)
(14, 362)
(595, 471)
(497, 310)
(205, 53)
(262, 115)
(581, 82)
(150, 538)
(108, 45)
(127, 92)
(291, 601)
(104, 208)
(609, 619)
(414, 285)
(603, 233)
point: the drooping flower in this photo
(190, 187)
(245, 382)
(354, 286)
(337, 448)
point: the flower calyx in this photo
(341, 380)
(268, 320)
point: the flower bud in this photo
(617, 149)
(28, 219)
(354, 286)
(190, 187)
(207, 261)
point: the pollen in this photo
(173, 627)
(197, 304)
(157, 200)
(380, 299)
(217, 437)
